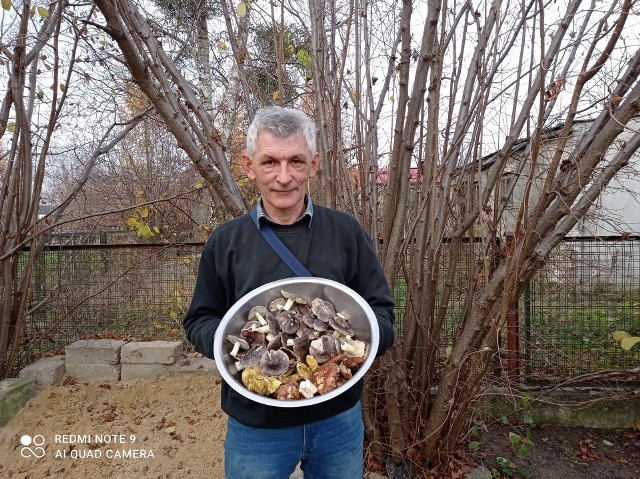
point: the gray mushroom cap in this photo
(274, 363)
(238, 343)
(322, 309)
(275, 343)
(258, 313)
(251, 357)
(277, 304)
(301, 346)
(292, 299)
(341, 325)
(324, 348)
(272, 322)
(288, 322)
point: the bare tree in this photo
(34, 41)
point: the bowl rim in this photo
(242, 390)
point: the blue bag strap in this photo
(279, 247)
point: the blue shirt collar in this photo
(307, 212)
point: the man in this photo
(266, 442)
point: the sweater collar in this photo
(307, 212)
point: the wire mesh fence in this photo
(588, 289)
(133, 291)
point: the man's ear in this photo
(248, 166)
(315, 163)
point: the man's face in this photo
(281, 168)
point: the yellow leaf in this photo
(620, 335)
(144, 231)
(11, 127)
(173, 315)
(156, 229)
(222, 46)
(158, 326)
(187, 261)
(43, 12)
(628, 343)
(242, 9)
(133, 221)
(392, 99)
(144, 212)
(276, 95)
(6, 4)
(198, 184)
(63, 87)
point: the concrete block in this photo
(94, 351)
(151, 352)
(45, 371)
(142, 371)
(195, 364)
(14, 393)
(93, 372)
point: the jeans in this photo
(327, 449)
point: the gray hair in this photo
(283, 123)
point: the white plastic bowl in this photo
(344, 299)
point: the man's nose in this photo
(284, 172)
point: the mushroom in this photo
(352, 347)
(300, 345)
(322, 309)
(324, 348)
(258, 312)
(250, 358)
(255, 326)
(274, 363)
(272, 322)
(325, 377)
(288, 323)
(258, 383)
(338, 323)
(292, 299)
(275, 343)
(288, 391)
(238, 343)
(307, 389)
(277, 304)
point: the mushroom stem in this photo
(260, 319)
(288, 304)
(236, 348)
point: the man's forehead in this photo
(267, 141)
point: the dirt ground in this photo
(173, 427)
(170, 427)
(559, 453)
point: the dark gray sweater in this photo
(237, 259)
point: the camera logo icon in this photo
(37, 441)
